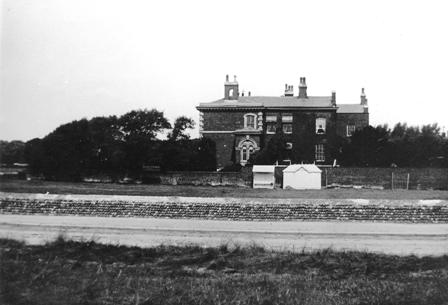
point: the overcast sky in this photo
(63, 60)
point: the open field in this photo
(67, 272)
(22, 186)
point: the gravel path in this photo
(390, 238)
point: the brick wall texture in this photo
(419, 178)
(221, 127)
(413, 211)
(360, 120)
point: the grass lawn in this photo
(67, 272)
(22, 186)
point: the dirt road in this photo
(390, 238)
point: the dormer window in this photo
(250, 121)
(320, 125)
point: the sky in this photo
(64, 60)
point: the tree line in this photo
(402, 146)
(380, 146)
(124, 146)
(115, 147)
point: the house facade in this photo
(241, 125)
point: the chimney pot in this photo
(363, 98)
(289, 91)
(227, 78)
(302, 88)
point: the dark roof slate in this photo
(350, 108)
(283, 102)
(271, 101)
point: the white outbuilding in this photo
(263, 176)
(302, 177)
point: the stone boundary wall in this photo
(380, 210)
(243, 178)
(419, 178)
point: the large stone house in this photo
(241, 125)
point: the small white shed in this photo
(302, 177)
(263, 176)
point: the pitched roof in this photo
(283, 102)
(263, 168)
(310, 168)
(350, 108)
(271, 101)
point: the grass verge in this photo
(68, 272)
(22, 186)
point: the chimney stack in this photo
(231, 91)
(289, 90)
(333, 98)
(363, 98)
(302, 88)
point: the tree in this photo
(417, 147)
(368, 147)
(188, 155)
(35, 156)
(68, 151)
(181, 124)
(205, 159)
(428, 146)
(139, 130)
(403, 146)
(12, 152)
(107, 152)
(102, 145)
(444, 158)
(142, 124)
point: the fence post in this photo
(326, 178)
(407, 182)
